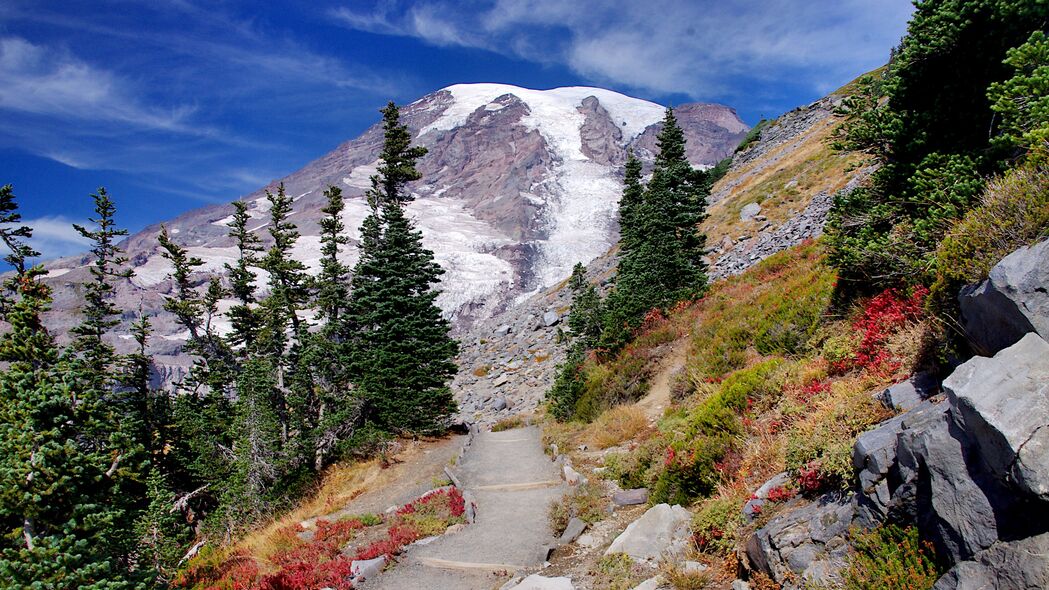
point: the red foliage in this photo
(882, 316)
(653, 318)
(779, 494)
(814, 388)
(811, 479)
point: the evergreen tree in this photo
(99, 312)
(401, 353)
(661, 259)
(244, 318)
(332, 283)
(256, 446)
(61, 522)
(585, 318)
(161, 534)
(630, 205)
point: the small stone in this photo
(503, 330)
(572, 531)
(694, 567)
(537, 582)
(551, 318)
(499, 404)
(630, 497)
(740, 585)
(573, 477)
(368, 568)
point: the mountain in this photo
(517, 187)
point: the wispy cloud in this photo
(698, 48)
(49, 81)
(54, 237)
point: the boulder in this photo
(572, 477)
(753, 506)
(630, 497)
(537, 582)
(907, 394)
(663, 531)
(368, 568)
(749, 211)
(1003, 402)
(1016, 565)
(1013, 301)
(572, 531)
(499, 404)
(503, 330)
(807, 545)
(551, 318)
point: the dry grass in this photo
(683, 580)
(508, 423)
(783, 182)
(482, 371)
(617, 425)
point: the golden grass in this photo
(783, 182)
(619, 424)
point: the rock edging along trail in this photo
(511, 482)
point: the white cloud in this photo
(54, 237)
(45, 81)
(702, 49)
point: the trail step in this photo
(447, 564)
(516, 487)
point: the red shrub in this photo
(882, 316)
(811, 479)
(779, 494)
(814, 388)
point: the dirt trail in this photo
(513, 483)
(658, 398)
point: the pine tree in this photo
(99, 312)
(256, 446)
(160, 533)
(630, 205)
(244, 318)
(401, 353)
(61, 522)
(332, 283)
(661, 260)
(585, 318)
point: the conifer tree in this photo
(61, 523)
(401, 353)
(99, 312)
(630, 204)
(332, 283)
(585, 318)
(244, 318)
(256, 446)
(160, 534)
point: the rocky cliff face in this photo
(518, 186)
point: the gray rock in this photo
(630, 497)
(551, 318)
(662, 532)
(503, 330)
(572, 477)
(650, 584)
(367, 569)
(1013, 301)
(1003, 402)
(499, 404)
(753, 506)
(501, 380)
(740, 585)
(572, 531)
(809, 542)
(907, 394)
(749, 211)
(1016, 565)
(694, 567)
(537, 582)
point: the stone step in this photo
(516, 487)
(448, 564)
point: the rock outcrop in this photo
(1013, 301)
(807, 545)
(662, 532)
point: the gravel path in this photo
(513, 483)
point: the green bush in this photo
(891, 558)
(716, 523)
(1013, 212)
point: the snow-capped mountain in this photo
(518, 186)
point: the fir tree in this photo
(256, 446)
(99, 312)
(401, 353)
(332, 283)
(243, 316)
(630, 204)
(585, 318)
(160, 533)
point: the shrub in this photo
(585, 502)
(1013, 212)
(891, 558)
(568, 386)
(881, 317)
(618, 571)
(617, 425)
(715, 525)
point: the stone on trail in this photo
(663, 531)
(573, 530)
(368, 568)
(630, 497)
(537, 582)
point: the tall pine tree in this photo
(401, 353)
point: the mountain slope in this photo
(518, 186)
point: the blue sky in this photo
(174, 104)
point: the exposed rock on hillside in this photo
(1011, 302)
